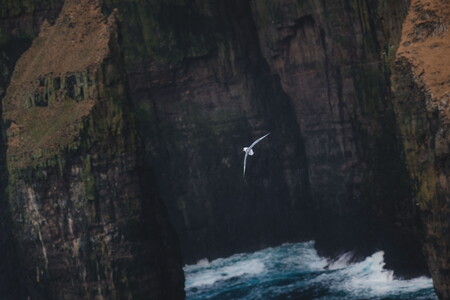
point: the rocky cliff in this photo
(422, 81)
(202, 91)
(351, 91)
(20, 22)
(331, 58)
(85, 222)
(212, 76)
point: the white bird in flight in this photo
(249, 151)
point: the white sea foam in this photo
(296, 268)
(369, 278)
(217, 270)
(204, 262)
(341, 262)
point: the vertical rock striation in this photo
(207, 77)
(422, 88)
(19, 24)
(202, 92)
(85, 222)
(332, 59)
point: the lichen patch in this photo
(426, 45)
(55, 83)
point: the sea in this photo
(295, 271)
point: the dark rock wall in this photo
(19, 24)
(208, 77)
(198, 103)
(332, 58)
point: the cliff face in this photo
(84, 221)
(332, 61)
(208, 77)
(422, 81)
(356, 159)
(19, 24)
(202, 91)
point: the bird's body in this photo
(249, 151)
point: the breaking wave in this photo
(295, 271)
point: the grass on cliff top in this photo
(38, 133)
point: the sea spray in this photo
(295, 271)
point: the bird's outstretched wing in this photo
(249, 149)
(257, 141)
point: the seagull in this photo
(249, 151)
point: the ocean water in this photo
(295, 271)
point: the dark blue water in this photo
(295, 271)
